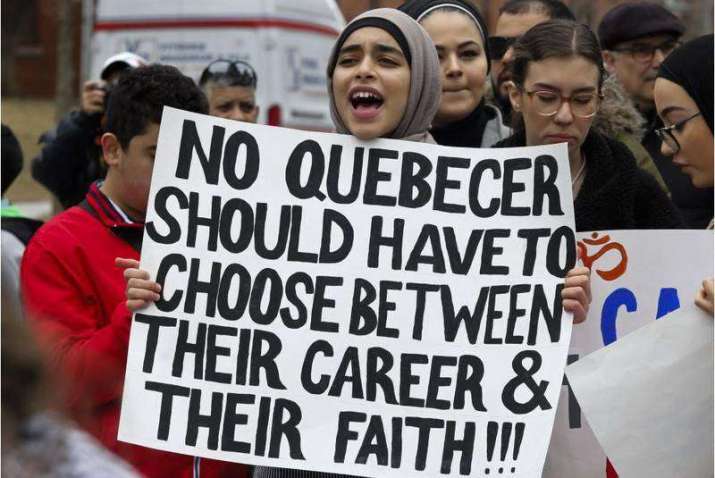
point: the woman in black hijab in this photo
(460, 35)
(684, 99)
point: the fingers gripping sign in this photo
(576, 294)
(704, 298)
(141, 290)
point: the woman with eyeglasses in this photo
(461, 38)
(558, 76)
(230, 87)
(684, 99)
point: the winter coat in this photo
(480, 129)
(74, 297)
(615, 193)
(618, 118)
(70, 160)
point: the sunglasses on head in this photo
(499, 45)
(238, 72)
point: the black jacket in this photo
(615, 193)
(480, 129)
(70, 160)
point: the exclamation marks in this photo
(504, 431)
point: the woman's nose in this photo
(452, 67)
(366, 68)
(564, 114)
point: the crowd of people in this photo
(633, 103)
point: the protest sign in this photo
(649, 397)
(637, 277)
(379, 308)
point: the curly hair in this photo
(141, 94)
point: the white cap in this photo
(131, 60)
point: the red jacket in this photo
(74, 295)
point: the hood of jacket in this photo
(617, 115)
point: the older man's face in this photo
(233, 102)
(635, 63)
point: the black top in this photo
(615, 193)
(70, 160)
(467, 132)
(694, 204)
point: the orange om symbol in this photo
(588, 261)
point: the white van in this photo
(288, 42)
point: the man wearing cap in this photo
(71, 159)
(635, 38)
(230, 87)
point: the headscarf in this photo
(419, 9)
(691, 67)
(425, 90)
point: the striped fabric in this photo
(268, 472)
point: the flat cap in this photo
(629, 21)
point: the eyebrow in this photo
(670, 109)
(350, 49)
(461, 45)
(467, 43)
(585, 89)
(382, 48)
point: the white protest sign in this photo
(637, 277)
(649, 397)
(379, 308)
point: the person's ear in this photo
(609, 61)
(515, 95)
(111, 149)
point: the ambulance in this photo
(288, 42)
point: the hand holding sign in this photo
(704, 299)
(576, 295)
(140, 290)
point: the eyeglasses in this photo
(499, 45)
(238, 72)
(644, 53)
(666, 133)
(548, 103)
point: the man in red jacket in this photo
(73, 293)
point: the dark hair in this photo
(554, 9)
(555, 38)
(12, 161)
(141, 94)
(417, 8)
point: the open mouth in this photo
(366, 103)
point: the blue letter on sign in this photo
(609, 313)
(667, 302)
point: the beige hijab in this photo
(425, 90)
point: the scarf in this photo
(691, 67)
(425, 91)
